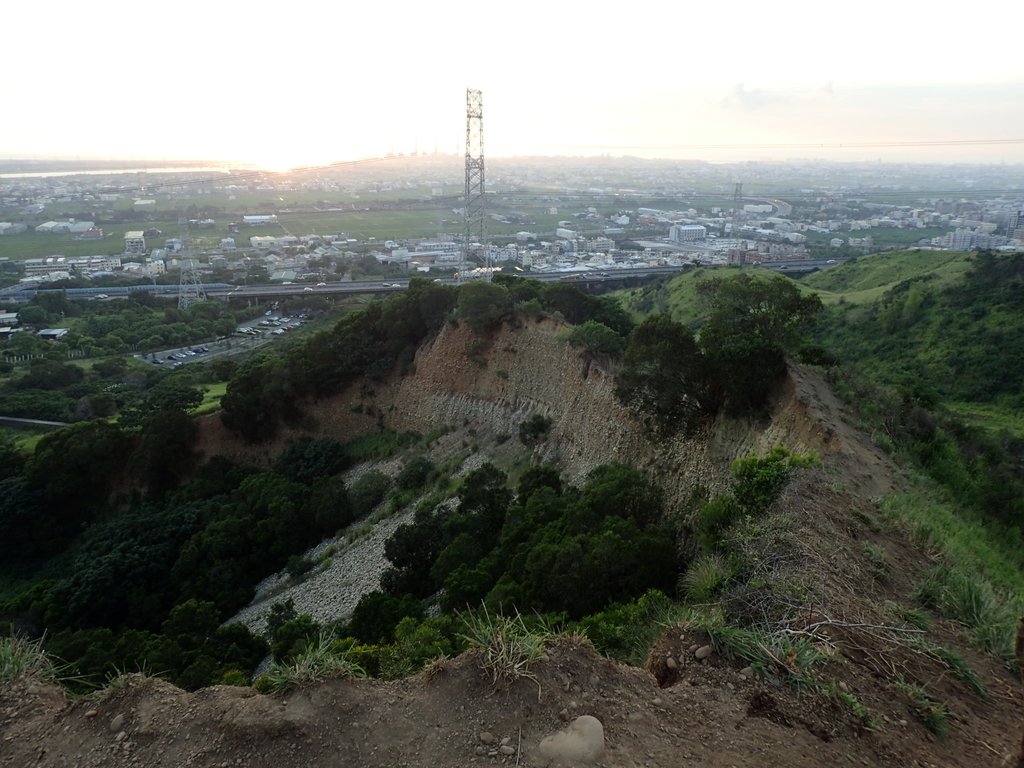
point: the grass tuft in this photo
(971, 599)
(319, 661)
(766, 651)
(934, 714)
(507, 644)
(705, 578)
(24, 658)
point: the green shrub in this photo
(298, 566)
(368, 491)
(414, 474)
(760, 479)
(626, 631)
(535, 429)
(712, 519)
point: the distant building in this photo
(135, 243)
(9, 228)
(260, 220)
(227, 244)
(267, 242)
(687, 233)
(53, 334)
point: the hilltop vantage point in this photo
(736, 518)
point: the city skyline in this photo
(316, 86)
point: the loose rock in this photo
(671, 663)
(116, 723)
(487, 738)
(506, 749)
(703, 652)
(581, 742)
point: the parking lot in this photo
(249, 335)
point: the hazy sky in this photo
(306, 82)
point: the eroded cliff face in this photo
(492, 383)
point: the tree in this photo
(482, 304)
(664, 376)
(597, 339)
(752, 324)
(33, 314)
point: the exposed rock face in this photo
(493, 383)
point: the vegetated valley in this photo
(729, 519)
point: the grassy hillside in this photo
(680, 296)
(951, 320)
(868, 278)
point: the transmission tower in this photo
(191, 289)
(476, 216)
(737, 206)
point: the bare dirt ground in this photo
(708, 715)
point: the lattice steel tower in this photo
(476, 216)
(737, 208)
(191, 289)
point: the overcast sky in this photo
(306, 82)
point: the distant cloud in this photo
(752, 99)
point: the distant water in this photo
(112, 172)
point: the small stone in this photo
(487, 738)
(505, 749)
(671, 663)
(693, 648)
(506, 740)
(116, 723)
(121, 736)
(656, 701)
(703, 652)
(844, 687)
(903, 723)
(747, 673)
(481, 750)
(564, 715)
(573, 705)
(92, 713)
